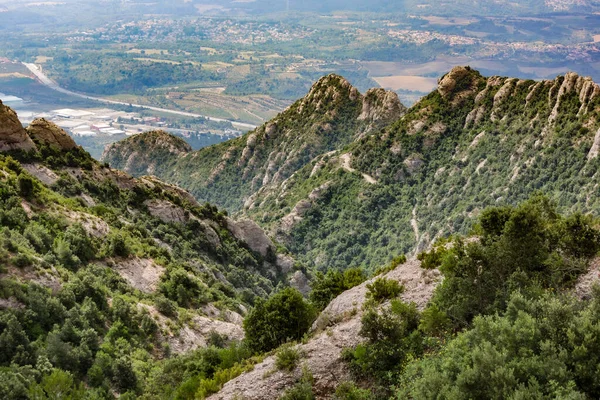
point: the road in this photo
(54, 86)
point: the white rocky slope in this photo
(336, 328)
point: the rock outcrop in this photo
(459, 83)
(48, 133)
(382, 106)
(12, 134)
(249, 232)
(337, 328)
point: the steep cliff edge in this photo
(12, 134)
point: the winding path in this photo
(54, 86)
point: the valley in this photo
(299, 200)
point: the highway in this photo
(54, 86)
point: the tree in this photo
(58, 385)
(26, 186)
(285, 316)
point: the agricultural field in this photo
(245, 63)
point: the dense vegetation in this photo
(326, 119)
(77, 317)
(484, 142)
(502, 315)
(97, 73)
(436, 169)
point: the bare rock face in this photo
(460, 82)
(44, 174)
(585, 283)
(47, 132)
(300, 281)
(12, 134)
(337, 328)
(142, 274)
(249, 232)
(380, 105)
(166, 211)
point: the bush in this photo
(284, 316)
(165, 306)
(183, 288)
(547, 347)
(58, 385)
(434, 321)
(349, 391)
(526, 248)
(25, 184)
(326, 287)
(21, 260)
(384, 289)
(300, 391)
(79, 243)
(116, 245)
(287, 357)
(303, 389)
(393, 340)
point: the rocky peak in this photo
(330, 89)
(46, 132)
(380, 105)
(549, 97)
(12, 134)
(459, 83)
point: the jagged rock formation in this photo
(472, 143)
(459, 83)
(330, 116)
(249, 232)
(46, 132)
(12, 134)
(346, 180)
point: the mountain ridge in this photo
(331, 115)
(473, 142)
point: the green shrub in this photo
(349, 391)
(325, 287)
(300, 391)
(58, 385)
(527, 248)
(21, 260)
(25, 184)
(393, 339)
(284, 316)
(165, 306)
(116, 245)
(287, 357)
(303, 389)
(384, 289)
(547, 347)
(434, 322)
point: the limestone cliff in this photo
(12, 134)
(48, 133)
